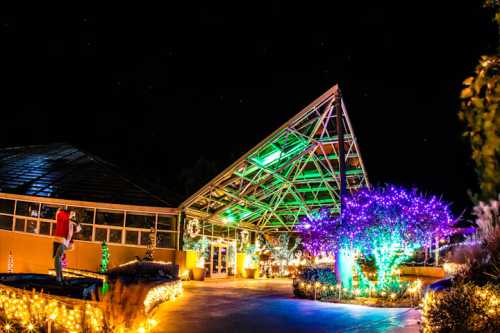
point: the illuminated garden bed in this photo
(124, 301)
(320, 284)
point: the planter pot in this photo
(250, 273)
(198, 274)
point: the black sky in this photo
(156, 91)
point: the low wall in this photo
(430, 271)
(33, 253)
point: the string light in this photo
(161, 293)
(76, 273)
(33, 310)
(135, 261)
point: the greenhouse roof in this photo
(62, 171)
(291, 173)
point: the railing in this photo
(116, 224)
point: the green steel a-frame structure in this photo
(294, 171)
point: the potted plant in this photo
(199, 246)
(251, 261)
(199, 270)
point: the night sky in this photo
(174, 95)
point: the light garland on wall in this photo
(10, 263)
(193, 228)
(33, 310)
(164, 292)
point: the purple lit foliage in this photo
(417, 219)
(318, 232)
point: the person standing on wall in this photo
(66, 226)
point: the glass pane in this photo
(231, 233)
(6, 222)
(115, 236)
(45, 228)
(220, 231)
(31, 226)
(207, 262)
(131, 237)
(165, 239)
(27, 208)
(206, 229)
(215, 259)
(109, 218)
(49, 211)
(140, 221)
(167, 222)
(20, 224)
(223, 257)
(83, 215)
(6, 206)
(86, 233)
(144, 237)
(101, 235)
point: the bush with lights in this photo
(315, 283)
(472, 304)
(466, 307)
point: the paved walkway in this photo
(269, 306)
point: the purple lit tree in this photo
(387, 223)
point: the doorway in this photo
(218, 260)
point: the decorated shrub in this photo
(315, 283)
(466, 307)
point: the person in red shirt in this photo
(65, 227)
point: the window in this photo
(6, 206)
(6, 222)
(86, 233)
(167, 222)
(231, 233)
(219, 231)
(109, 217)
(143, 221)
(165, 239)
(49, 211)
(20, 224)
(83, 215)
(132, 237)
(25, 208)
(144, 237)
(44, 228)
(31, 226)
(115, 236)
(101, 235)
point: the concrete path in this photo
(269, 306)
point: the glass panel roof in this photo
(291, 173)
(63, 171)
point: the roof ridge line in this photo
(118, 173)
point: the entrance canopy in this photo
(291, 173)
